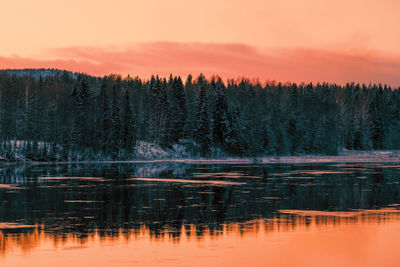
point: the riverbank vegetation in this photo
(58, 115)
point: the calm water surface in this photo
(164, 214)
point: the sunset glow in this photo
(333, 41)
(289, 241)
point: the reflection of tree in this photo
(290, 220)
(116, 205)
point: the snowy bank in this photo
(147, 152)
(306, 159)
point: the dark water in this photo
(211, 210)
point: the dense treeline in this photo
(61, 115)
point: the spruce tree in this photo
(178, 109)
(105, 116)
(203, 122)
(221, 124)
(81, 94)
(115, 120)
(160, 115)
(165, 116)
(128, 134)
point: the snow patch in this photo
(147, 151)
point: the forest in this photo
(61, 116)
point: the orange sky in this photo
(288, 40)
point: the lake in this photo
(177, 214)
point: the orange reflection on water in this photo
(292, 238)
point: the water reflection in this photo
(26, 237)
(88, 205)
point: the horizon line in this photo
(209, 78)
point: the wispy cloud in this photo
(226, 60)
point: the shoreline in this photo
(365, 157)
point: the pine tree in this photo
(236, 137)
(128, 135)
(178, 109)
(191, 112)
(221, 124)
(105, 117)
(31, 110)
(189, 81)
(376, 114)
(203, 122)
(115, 120)
(160, 117)
(81, 94)
(165, 116)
